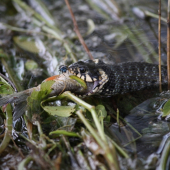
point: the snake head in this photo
(85, 70)
(91, 72)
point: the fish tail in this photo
(16, 97)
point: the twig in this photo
(159, 41)
(168, 44)
(76, 29)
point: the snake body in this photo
(119, 78)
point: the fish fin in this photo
(19, 110)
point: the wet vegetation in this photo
(128, 131)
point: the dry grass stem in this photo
(159, 48)
(76, 29)
(168, 44)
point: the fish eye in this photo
(63, 68)
(82, 70)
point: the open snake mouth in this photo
(94, 83)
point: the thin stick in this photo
(76, 29)
(159, 41)
(168, 45)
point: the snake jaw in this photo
(92, 73)
(98, 84)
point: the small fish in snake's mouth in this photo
(80, 72)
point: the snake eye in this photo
(82, 70)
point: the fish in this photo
(61, 83)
